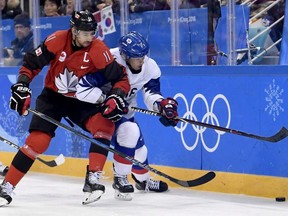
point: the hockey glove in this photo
(20, 98)
(168, 109)
(114, 107)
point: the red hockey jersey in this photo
(67, 66)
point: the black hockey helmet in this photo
(83, 20)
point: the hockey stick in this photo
(280, 135)
(56, 162)
(191, 183)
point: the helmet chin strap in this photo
(133, 70)
(130, 67)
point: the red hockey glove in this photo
(20, 98)
(114, 107)
(168, 109)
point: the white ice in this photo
(53, 195)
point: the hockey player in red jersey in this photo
(71, 54)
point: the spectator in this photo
(22, 43)
(100, 4)
(52, 8)
(86, 5)
(69, 7)
(10, 8)
(147, 5)
(190, 4)
(274, 14)
(269, 17)
(183, 4)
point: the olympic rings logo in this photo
(209, 117)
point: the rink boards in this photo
(251, 99)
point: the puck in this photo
(280, 199)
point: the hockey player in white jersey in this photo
(144, 74)
(3, 169)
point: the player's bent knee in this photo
(128, 134)
(141, 154)
(100, 127)
(36, 143)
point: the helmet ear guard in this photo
(75, 31)
(123, 55)
(133, 45)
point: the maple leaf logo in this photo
(66, 82)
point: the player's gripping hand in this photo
(168, 109)
(114, 107)
(20, 98)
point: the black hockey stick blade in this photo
(184, 183)
(191, 183)
(280, 135)
(198, 181)
(53, 163)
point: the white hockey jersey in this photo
(147, 81)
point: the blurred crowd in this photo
(10, 8)
(49, 8)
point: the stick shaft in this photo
(195, 182)
(275, 138)
(52, 163)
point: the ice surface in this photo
(54, 195)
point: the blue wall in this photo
(252, 99)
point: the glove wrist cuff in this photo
(23, 79)
(157, 106)
(118, 91)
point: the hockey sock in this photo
(19, 167)
(97, 156)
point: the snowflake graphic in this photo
(75, 145)
(12, 123)
(274, 100)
